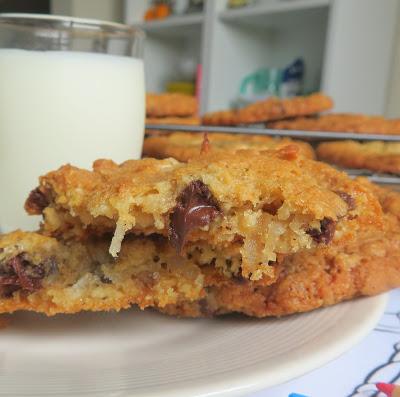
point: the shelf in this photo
(272, 7)
(273, 12)
(174, 25)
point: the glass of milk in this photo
(71, 91)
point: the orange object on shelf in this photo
(157, 11)
(162, 11)
(150, 14)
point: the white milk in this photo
(63, 107)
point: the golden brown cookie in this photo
(170, 105)
(341, 122)
(42, 274)
(223, 117)
(277, 109)
(309, 280)
(375, 156)
(184, 146)
(271, 109)
(45, 275)
(388, 198)
(173, 120)
(256, 205)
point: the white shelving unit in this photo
(174, 24)
(168, 41)
(346, 44)
(270, 9)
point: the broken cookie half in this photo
(255, 207)
(45, 275)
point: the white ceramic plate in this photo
(147, 354)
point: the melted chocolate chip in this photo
(36, 202)
(349, 200)
(272, 208)
(18, 273)
(325, 235)
(196, 207)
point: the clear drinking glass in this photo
(71, 91)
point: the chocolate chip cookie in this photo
(184, 146)
(173, 120)
(50, 276)
(341, 122)
(258, 204)
(375, 156)
(308, 280)
(170, 105)
(271, 109)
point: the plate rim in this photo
(354, 319)
(235, 384)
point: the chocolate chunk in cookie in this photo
(196, 207)
(325, 234)
(36, 202)
(349, 200)
(19, 273)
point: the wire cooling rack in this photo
(312, 135)
(386, 179)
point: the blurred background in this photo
(232, 52)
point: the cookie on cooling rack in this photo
(173, 120)
(184, 146)
(271, 109)
(376, 156)
(223, 117)
(341, 122)
(170, 105)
